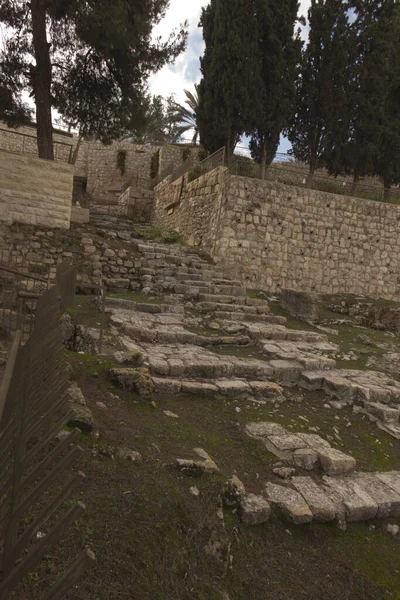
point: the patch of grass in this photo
(137, 297)
(158, 235)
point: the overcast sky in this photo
(185, 72)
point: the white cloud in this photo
(185, 72)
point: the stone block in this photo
(264, 429)
(320, 504)
(387, 499)
(254, 510)
(305, 458)
(358, 503)
(335, 462)
(291, 503)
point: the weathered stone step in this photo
(209, 367)
(226, 388)
(235, 306)
(243, 317)
(353, 386)
(217, 298)
(143, 306)
(307, 354)
(175, 335)
(280, 332)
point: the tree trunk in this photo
(387, 183)
(42, 80)
(356, 181)
(264, 159)
(76, 151)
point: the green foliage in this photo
(160, 123)
(202, 154)
(155, 164)
(121, 161)
(188, 113)
(90, 61)
(323, 84)
(279, 54)
(195, 173)
(230, 67)
(186, 154)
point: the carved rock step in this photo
(279, 332)
(237, 315)
(209, 368)
(360, 497)
(165, 334)
(144, 307)
(217, 388)
(305, 353)
(354, 386)
(240, 306)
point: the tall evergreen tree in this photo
(229, 89)
(279, 48)
(321, 95)
(374, 138)
(90, 60)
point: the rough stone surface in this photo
(335, 462)
(358, 503)
(292, 504)
(82, 415)
(254, 510)
(321, 506)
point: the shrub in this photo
(202, 154)
(195, 173)
(155, 164)
(121, 161)
(185, 154)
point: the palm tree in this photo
(188, 114)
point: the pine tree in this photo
(229, 90)
(279, 55)
(321, 95)
(89, 60)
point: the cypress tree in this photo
(89, 60)
(374, 146)
(279, 48)
(229, 89)
(321, 90)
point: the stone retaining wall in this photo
(35, 191)
(192, 208)
(273, 236)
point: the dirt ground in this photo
(149, 532)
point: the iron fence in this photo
(208, 164)
(21, 284)
(35, 464)
(295, 173)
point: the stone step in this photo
(225, 388)
(143, 306)
(240, 316)
(237, 307)
(307, 354)
(219, 301)
(165, 334)
(209, 366)
(280, 332)
(351, 386)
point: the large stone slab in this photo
(313, 441)
(387, 499)
(335, 462)
(358, 503)
(264, 429)
(286, 442)
(320, 504)
(291, 503)
(305, 458)
(391, 479)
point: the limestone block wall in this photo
(13, 141)
(35, 191)
(192, 208)
(276, 236)
(102, 165)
